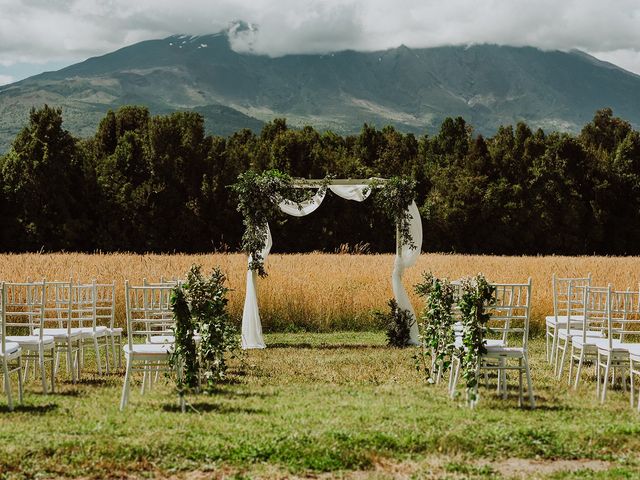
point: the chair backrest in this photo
(510, 315)
(23, 307)
(105, 295)
(58, 304)
(148, 311)
(596, 310)
(624, 320)
(83, 310)
(568, 295)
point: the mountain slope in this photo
(413, 89)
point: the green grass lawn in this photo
(339, 404)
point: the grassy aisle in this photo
(340, 403)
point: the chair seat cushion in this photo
(619, 347)
(87, 332)
(502, 351)
(9, 348)
(561, 320)
(589, 342)
(159, 349)
(170, 339)
(578, 333)
(115, 330)
(30, 340)
(59, 333)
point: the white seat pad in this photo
(618, 346)
(88, 331)
(26, 340)
(150, 348)
(114, 330)
(59, 333)
(497, 350)
(578, 333)
(170, 339)
(561, 320)
(590, 341)
(9, 348)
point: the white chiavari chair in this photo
(567, 310)
(58, 305)
(585, 341)
(622, 330)
(507, 340)
(146, 317)
(24, 316)
(10, 354)
(105, 294)
(84, 320)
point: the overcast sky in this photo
(39, 35)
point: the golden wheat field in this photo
(317, 291)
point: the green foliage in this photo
(397, 323)
(437, 337)
(158, 183)
(184, 357)
(258, 198)
(476, 294)
(200, 307)
(394, 197)
(471, 297)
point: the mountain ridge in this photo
(411, 89)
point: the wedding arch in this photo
(262, 195)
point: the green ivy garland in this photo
(476, 295)
(437, 337)
(437, 333)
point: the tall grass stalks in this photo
(321, 292)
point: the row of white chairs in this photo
(44, 319)
(595, 324)
(506, 342)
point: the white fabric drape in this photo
(251, 325)
(303, 208)
(405, 257)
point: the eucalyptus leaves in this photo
(199, 308)
(453, 323)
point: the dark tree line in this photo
(159, 183)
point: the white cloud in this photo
(5, 79)
(45, 30)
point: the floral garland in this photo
(394, 196)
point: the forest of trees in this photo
(148, 183)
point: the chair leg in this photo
(98, 359)
(554, 345)
(125, 387)
(570, 365)
(70, 368)
(20, 383)
(53, 369)
(579, 369)
(106, 354)
(520, 385)
(564, 356)
(42, 371)
(113, 349)
(632, 383)
(7, 383)
(606, 379)
(532, 400)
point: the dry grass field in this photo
(321, 292)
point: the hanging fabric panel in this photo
(303, 208)
(405, 258)
(251, 325)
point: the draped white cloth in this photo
(405, 258)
